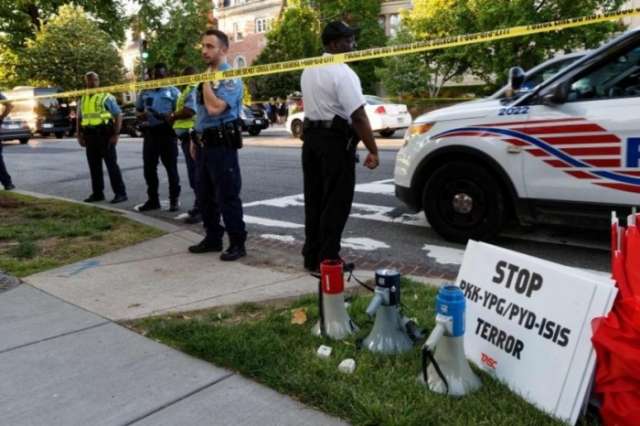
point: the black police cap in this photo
(336, 30)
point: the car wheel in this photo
(134, 133)
(296, 128)
(254, 131)
(59, 135)
(71, 132)
(24, 141)
(462, 201)
(387, 133)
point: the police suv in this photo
(565, 152)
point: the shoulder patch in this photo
(229, 84)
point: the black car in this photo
(253, 120)
(130, 125)
(15, 128)
(45, 116)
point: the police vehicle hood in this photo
(466, 110)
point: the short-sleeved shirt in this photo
(110, 105)
(160, 101)
(230, 91)
(2, 98)
(331, 90)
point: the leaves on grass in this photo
(299, 316)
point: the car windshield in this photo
(375, 100)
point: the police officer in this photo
(98, 126)
(218, 110)
(183, 121)
(5, 178)
(154, 107)
(335, 120)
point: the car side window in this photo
(619, 77)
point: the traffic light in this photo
(143, 50)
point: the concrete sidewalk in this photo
(62, 365)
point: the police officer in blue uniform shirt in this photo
(5, 178)
(154, 109)
(218, 110)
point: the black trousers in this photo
(185, 142)
(98, 150)
(5, 179)
(219, 188)
(328, 167)
(160, 144)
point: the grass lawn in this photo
(261, 343)
(39, 234)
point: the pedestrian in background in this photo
(335, 121)
(159, 143)
(218, 110)
(5, 178)
(183, 120)
(98, 124)
(273, 111)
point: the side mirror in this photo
(516, 78)
(557, 96)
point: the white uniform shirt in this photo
(330, 90)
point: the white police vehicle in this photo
(567, 151)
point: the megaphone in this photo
(392, 333)
(334, 320)
(448, 371)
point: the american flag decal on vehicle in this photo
(579, 148)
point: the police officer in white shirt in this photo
(335, 121)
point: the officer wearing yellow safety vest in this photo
(183, 121)
(98, 128)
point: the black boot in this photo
(149, 205)
(206, 246)
(234, 252)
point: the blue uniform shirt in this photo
(161, 101)
(229, 91)
(110, 104)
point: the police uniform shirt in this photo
(230, 91)
(161, 101)
(331, 90)
(110, 105)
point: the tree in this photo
(362, 14)
(22, 19)
(294, 36)
(490, 61)
(56, 56)
(9, 65)
(175, 43)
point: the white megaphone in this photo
(447, 371)
(334, 320)
(392, 333)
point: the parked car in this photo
(130, 125)
(15, 128)
(253, 120)
(45, 116)
(385, 117)
(566, 151)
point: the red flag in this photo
(614, 238)
(618, 272)
(632, 259)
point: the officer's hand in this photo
(81, 140)
(372, 161)
(169, 118)
(113, 140)
(192, 151)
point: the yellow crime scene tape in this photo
(360, 55)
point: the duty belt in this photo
(317, 124)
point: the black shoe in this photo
(206, 246)
(174, 205)
(193, 219)
(9, 187)
(149, 205)
(93, 198)
(234, 252)
(120, 198)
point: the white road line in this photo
(273, 223)
(384, 187)
(296, 200)
(283, 238)
(444, 255)
(384, 214)
(363, 244)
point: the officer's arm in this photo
(184, 113)
(8, 106)
(361, 124)
(117, 125)
(214, 105)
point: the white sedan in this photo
(385, 118)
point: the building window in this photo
(261, 25)
(237, 35)
(381, 22)
(239, 62)
(394, 24)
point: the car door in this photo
(585, 146)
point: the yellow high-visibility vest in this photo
(94, 111)
(185, 123)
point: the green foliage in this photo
(294, 36)
(67, 46)
(490, 61)
(22, 19)
(362, 14)
(176, 42)
(9, 65)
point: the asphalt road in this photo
(380, 226)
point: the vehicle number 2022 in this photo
(518, 110)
